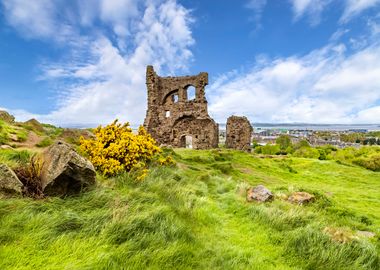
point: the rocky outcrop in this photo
(6, 117)
(9, 182)
(34, 125)
(64, 171)
(301, 198)
(72, 135)
(259, 194)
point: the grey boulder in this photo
(260, 194)
(64, 171)
(9, 182)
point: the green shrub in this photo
(255, 143)
(366, 156)
(47, 141)
(268, 149)
(322, 154)
(284, 142)
(306, 152)
(371, 163)
(301, 144)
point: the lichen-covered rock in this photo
(6, 117)
(300, 198)
(260, 194)
(64, 171)
(9, 182)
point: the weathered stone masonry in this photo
(238, 133)
(172, 118)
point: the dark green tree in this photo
(284, 142)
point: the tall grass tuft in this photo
(316, 250)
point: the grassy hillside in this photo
(32, 135)
(195, 216)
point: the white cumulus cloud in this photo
(103, 75)
(324, 86)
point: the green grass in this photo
(7, 130)
(45, 142)
(14, 158)
(195, 216)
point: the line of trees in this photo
(367, 157)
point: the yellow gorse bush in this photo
(117, 149)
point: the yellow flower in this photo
(117, 149)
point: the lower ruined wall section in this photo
(204, 132)
(238, 133)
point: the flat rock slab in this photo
(64, 171)
(259, 194)
(9, 182)
(301, 198)
(365, 234)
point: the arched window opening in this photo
(190, 92)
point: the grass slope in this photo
(195, 216)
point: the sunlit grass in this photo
(195, 216)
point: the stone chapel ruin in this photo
(174, 116)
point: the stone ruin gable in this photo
(171, 116)
(238, 133)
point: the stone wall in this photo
(172, 116)
(238, 133)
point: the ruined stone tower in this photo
(173, 118)
(238, 133)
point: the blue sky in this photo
(82, 62)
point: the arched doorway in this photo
(186, 141)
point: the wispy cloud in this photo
(313, 9)
(355, 7)
(257, 6)
(103, 77)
